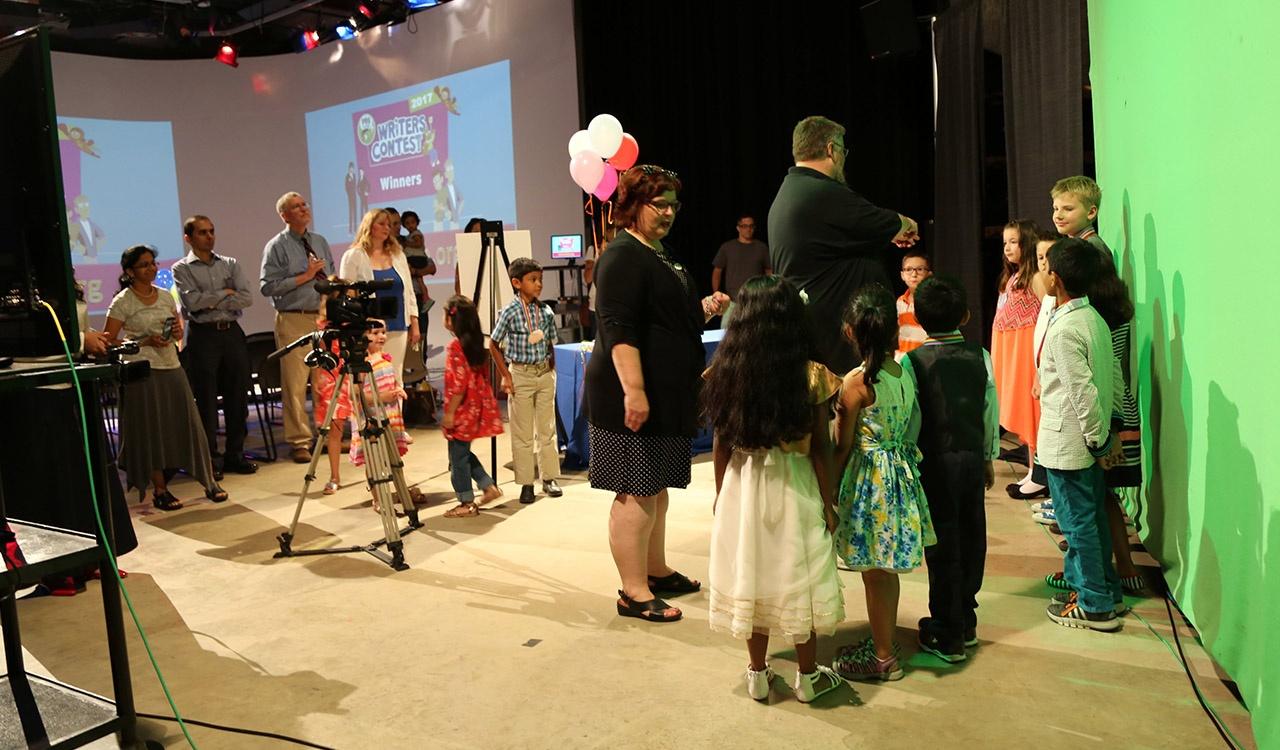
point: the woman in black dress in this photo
(642, 387)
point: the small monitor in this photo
(566, 246)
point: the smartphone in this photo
(167, 333)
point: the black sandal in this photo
(166, 501)
(651, 610)
(674, 585)
(218, 496)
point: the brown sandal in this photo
(463, 510)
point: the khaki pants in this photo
(533, 415)
(294, 375)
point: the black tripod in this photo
(493, 248)
(382, 464)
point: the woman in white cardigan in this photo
(376, 254)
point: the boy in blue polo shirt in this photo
(526, 330)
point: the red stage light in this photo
(310, 39)
(366, 11)
(227, 54)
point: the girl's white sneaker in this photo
(758, 682)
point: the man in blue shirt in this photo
(291, 261)
(214, 295)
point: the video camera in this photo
(354, 303)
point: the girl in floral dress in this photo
(382, 385)
(470, 408)
(884, 519)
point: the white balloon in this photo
(579, 142)
(606, 135)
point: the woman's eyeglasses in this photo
(662, 206)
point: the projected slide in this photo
(441, 148)
(121, 189)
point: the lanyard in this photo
(528, 317)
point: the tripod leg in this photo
(286, 539)
(376, 471)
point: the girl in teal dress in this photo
(884, 519)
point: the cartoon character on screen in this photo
(349, 185)
(86, 237)
(362, 188)
(453, 198)
(429, 143)
(443, 216)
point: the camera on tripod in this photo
(347, 311)
(352, 303)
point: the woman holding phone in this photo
(160, 429)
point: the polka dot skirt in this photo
(641, 465)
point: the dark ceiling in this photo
(189, 29)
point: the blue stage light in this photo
(345, 31)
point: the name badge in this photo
(536, 337)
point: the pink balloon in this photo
(608, 183)
(586, 169)
(627, 153)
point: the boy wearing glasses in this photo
(738, 260)
(915, 269)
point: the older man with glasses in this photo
(827, 239)
(738, 260)
(291, 262)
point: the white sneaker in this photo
(758, 682)
(1044, 517)
(1042, 505)
(816, 683)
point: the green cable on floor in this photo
(111, 554)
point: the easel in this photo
(493, 243)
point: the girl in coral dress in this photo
(1013, 336)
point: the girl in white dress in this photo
(773, 568)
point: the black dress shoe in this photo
(1015, 490)
(526, 494)
(217, 474)
(242, 467)
(552, 488)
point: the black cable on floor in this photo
(237, 730)
(1217, 724)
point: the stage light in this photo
(310, 39)
(419, 4)
(346, 31)
(227, 54)
(366, 11)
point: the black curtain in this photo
(1043, 101)
(957, 249)
(713, 91)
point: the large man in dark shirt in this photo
(827, 239)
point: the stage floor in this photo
(503, 634)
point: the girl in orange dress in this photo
(1013, 335)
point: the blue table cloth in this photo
(571, 364)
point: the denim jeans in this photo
(464, 467)
(1078, 497)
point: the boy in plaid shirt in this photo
(526, 332)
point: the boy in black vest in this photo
(959, 437)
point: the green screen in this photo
(1186, 111)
